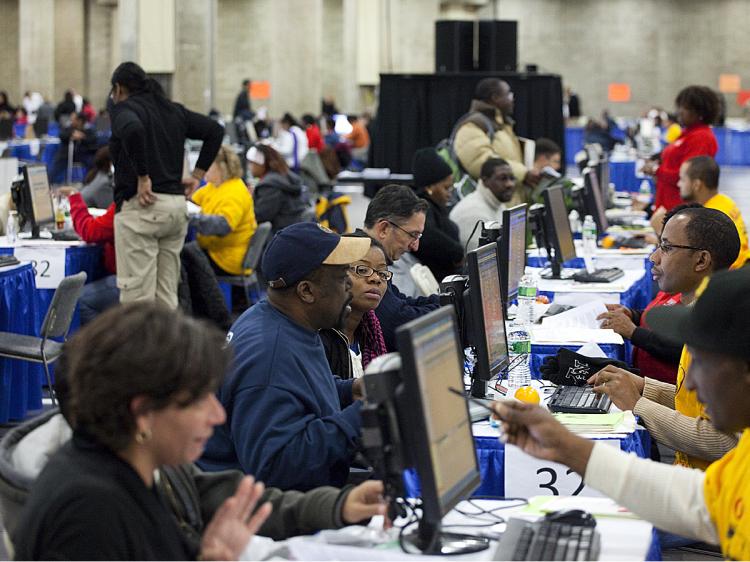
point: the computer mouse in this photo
(572, 517)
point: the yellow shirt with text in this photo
(726, 205)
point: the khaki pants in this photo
(148, 242)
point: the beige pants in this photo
(148, 242)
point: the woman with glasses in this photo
(350, 350)
(440, 247)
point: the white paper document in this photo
(582, 316)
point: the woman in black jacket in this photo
(440, 247)
(278, 197)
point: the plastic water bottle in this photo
(11, 229)
(519, 335)
(68, 220)
(575, 221)
(589, 243)
(644, 192)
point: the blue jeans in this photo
(97, 297)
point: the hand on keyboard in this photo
(623, 387)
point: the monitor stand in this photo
(429, 539)
(478, 387)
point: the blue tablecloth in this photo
(46, 155)
(491, 460)
(540, 352)
(20, 383)
(573, 143)
(734, 147)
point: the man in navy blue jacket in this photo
(290, 422)
(395, 218)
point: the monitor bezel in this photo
(504, 250)
(592, 200)
(553, 235)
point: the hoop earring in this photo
(142, 436)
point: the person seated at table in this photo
(314, 138)
(672, 414)
(278, 196)
(486, 203)
(141, 397)
(703, 506)
(358, 138)
(289, 421)
(351, 349)
(547, 153)
(439, 248)
(699, 183)
(227, 220)
(679, 274)
(396, 218)
(83, 137)
(98, 186)
(291, 142)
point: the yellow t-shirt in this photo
(726, 489)
(232, 201)
(726, 205)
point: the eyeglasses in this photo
(367, 271)
(412, 235)
(667, 247)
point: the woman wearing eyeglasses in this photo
(440, 248)
(350, 350)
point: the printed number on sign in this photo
(550, 485)
(41, 268)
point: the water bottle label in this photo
(527, 292)
(520, 347)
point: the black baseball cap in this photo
(299, 249)
(718, 321)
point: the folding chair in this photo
(251, 261)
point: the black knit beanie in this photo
(429, 168)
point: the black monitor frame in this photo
(476, 328)
(559, 238)
(23, 198)
(592, 200)
(504, 250)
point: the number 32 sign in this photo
(526, 476)
(48, 264)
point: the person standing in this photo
(147, 146)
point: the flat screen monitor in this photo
(512, 250)
(438, 428)
(604, 178)
(33, 198)
(484, 316)
(592, 199)
(557, 226)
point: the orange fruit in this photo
(527, 394)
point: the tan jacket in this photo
(473, 147)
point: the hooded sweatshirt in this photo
(279, 200)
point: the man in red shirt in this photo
(314, 138)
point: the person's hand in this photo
(363, 502)
(532, 177)
(358, 389)
(77, 135)
(66, 190)
(191, 185)
(649, 167)
(619, 322)
(620, 308)
(231, 528)
(533, 430)
(657, 220)
(623, 387)
(146, 197)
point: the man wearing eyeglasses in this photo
(695, 243)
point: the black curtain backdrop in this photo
(418, 110)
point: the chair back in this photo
(256, 245)
(60, 312)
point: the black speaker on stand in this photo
(498, 45)
(454, 46)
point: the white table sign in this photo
(48, 264)
(526, 476)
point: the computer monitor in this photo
(483, 317)
(592, 199)
(436, 426)
(603, 176)
(33, 199)
(558, 236)
(512, 251)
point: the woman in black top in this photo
(141, 396)
(440, 247)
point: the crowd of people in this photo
(167, 425)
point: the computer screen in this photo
(558, 225)
(440, 428)
(604, 177)
(40, 195)
(513, 250)
(592, 198)
(485, 313)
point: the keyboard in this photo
(605, 275)
(477, 413)
(65, 235)
(547, 540)
(578, 400)
(8, 259)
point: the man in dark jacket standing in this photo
(395, 217)
(147, 146)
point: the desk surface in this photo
(622, 539)
(631, 277)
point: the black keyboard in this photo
(547, 540)
(8, 259)
(604, 275)
(578, 400)
(65, 235)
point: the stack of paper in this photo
(582, 316)
(598, 424)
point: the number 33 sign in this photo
(48, 264)
(526, 476)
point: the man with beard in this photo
(486, 203)
(290, 421)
